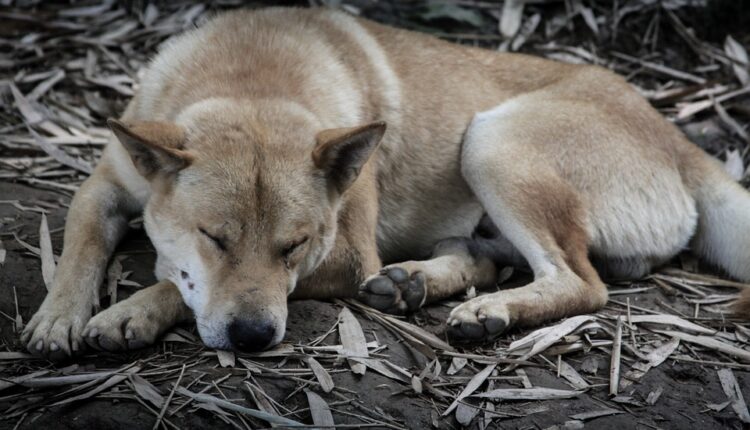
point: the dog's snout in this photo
(250, 336)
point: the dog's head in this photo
(241, 207)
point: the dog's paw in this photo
(479, 318)
(54, 332)
(394, 290)
(123, 326)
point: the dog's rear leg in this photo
(542, 216)
(456, 264)
(96, 221)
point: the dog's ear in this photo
(153, 146)
(341, 152)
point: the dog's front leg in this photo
(96, 221)
(137, 321)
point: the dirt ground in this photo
(408, 389)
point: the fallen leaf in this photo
(732, 389)
(323, 377)
(738, 53)
(353, 340)
(536, 393)
(46, 254)
(472, 386)
(320, 411)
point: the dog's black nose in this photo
(250, 336)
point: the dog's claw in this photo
(393, 290)
(55, 328)
(123, 326)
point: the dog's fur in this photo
(247, 150)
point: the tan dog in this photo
(251, 150)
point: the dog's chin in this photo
(212, 338)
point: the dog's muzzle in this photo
(247, 335)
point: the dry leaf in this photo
(46, 254)
(739, 54)
(614, 367)
(655, 358)
(147, 391)
(325, 380)
(353, 340)
(710, 343)
(320, 411)
(541, 339)
(571, 375)
(673, 320)
(537, 393)
(734, 165)
(510, 21)
(226, 358)
(224, 404)
(595, 414)
(472, 386)
(456, 365)
(732, 389)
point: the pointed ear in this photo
(153, 146)
(341, 152)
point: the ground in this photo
(412, 374)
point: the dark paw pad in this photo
(394, 291)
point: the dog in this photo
(307, 153)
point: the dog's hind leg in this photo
(456, 264)
(138, 320)
(542, 216)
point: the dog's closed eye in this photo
(219, 242)
(289, 249)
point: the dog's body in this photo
(253, 190)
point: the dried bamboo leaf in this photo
(321, 374)
(655, 358)
(224, 404)
(710, 343)
(111, 382)
(536, 393)
(46, 254)
(653, 396)
(472, 386)
(353, 340)
(734, 165)
(320, 411)
(147, 391)
(614, 367)
(512, 14)
(465, 413)
(595, 414)
(261, 400)
(738, 53)
(457, 363)
(571, 375)
(732, 389)
(114, 273)
(226, 358)
(541, 339)
(673, 320)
